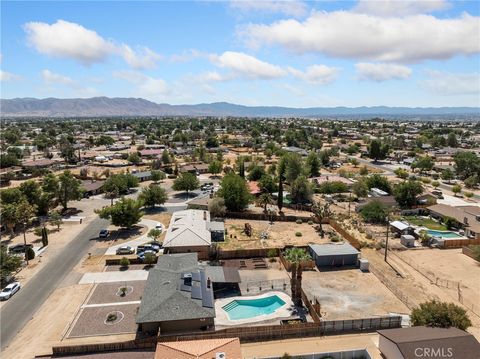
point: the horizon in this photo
(291, 54)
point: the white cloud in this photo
(316, 74)
(186, 56)
(52, 79)
(399, 7)
(447, 83)
(360, 36)
(146, 86)
(65, 39)
(8, 76)
(290, 8)
(248, 66)
(382, 72)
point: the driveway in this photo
(150, 224)
(108, 277)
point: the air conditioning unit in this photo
(220, 355)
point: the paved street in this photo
(23, 305)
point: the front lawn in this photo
(426, 222)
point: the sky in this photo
(272, 53)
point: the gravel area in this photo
(107, 292)
(92, 321)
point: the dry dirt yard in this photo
(449, 264)
(350, 294)
(279, 234)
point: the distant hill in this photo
(105, 106)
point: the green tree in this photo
(301, 190)
(280, 194)
(150, 259)
(354, 162)
(217, 207)
(9, 263)
(472, 181)
(467, 164)
(215, 167)
(255, 172)
(325, 157)
(378, 181)
(424, 163)
(157, 176)
(452, 140)
(10, 217)
(153, 195)
(360, 188)
(264, 200)
(154, 234)
(125, 213)
(377, 150)
(447, 175)
(234, 190)
(69, 189)
(440, 314)
(401, 173)
(166, 157)
(296, 256)
(134, 158)
(435, 184)
(9, 160)
(55, 219)
(11, 196)
(406, 193)
(293, 166)
(320, 213)
(456, 189)
(330, 187)
(363, 171)
(267, 184)
(186, 182)
(374, 212)
(313, 164)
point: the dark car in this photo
(19, 248)
(104, 233)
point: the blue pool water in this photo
(443, 234)
(250, 308)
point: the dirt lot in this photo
(449, 264)
(279, 234)
(350, 294)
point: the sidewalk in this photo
(150, 224)
(108, 277)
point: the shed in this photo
(334, 255)
(407, 240)
(401, 227)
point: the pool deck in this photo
(284, 312)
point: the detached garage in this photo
(334, 255)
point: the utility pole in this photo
(386, 239)
(25, 241)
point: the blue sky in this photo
(295, 53)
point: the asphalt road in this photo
(23, 305)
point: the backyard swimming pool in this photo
(250, 308)
(443, 234)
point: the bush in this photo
(335, 238)
(30, 253)
(111, 317)
(124, 262)
(298, 234)
(271, 253)
(310, 222)
(298, 221)
(440, 314)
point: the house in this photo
(294, 149)
(40, 163)
(221, 348)
(191, 231)
(427, 342)
(467, 217)
(334, 254)
(196, 169)
(178, 297)
(254, 188)
(143, 176)
(92, 187)
(151, 153)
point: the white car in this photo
(159, 226)
(9, 290)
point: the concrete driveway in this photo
(108, 277)
(150, 224)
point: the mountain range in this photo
(106, 107)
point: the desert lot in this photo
(350, 294)
(279, 234)
(449, 264)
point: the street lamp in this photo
(25, 241)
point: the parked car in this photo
(141, 255)
(159, 226)
(438, 194)
(149, 247)
(140, 249)
(125, 250)
(104, 233)
(19, 248)
(155, 244)
(9, 290)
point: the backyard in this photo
(279, 234)
(425, 222)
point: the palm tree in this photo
(264, 200)
(320, 212)
(296, 256)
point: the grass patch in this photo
(426, 222)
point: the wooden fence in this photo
(247, 253)
(266, 217)
(459, 243)
(351, 239)
(136, 344)
(280, 332)
(308, 264)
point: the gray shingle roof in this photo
(329, 249)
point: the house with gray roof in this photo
(334, 254)
(178, 297)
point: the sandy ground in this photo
(350, 294)
(279, 234)
(312, 345)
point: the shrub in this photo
(440, 314)
(271, 253)
(124, 262)
(335, 238)
(298, 234)
(123, 291)
(30, 253)
(298, 221)
(310, 222)
(111, 317)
